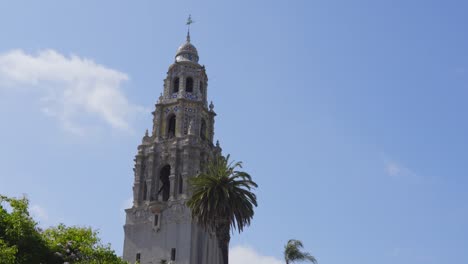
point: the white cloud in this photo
(128, 203)
(397, 170)
(39, 213)
(247, 255)
(74, 90)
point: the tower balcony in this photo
(157, 207)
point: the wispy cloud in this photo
(74, 90)
(39, 213)
(44, 217)
(247, 255)
(398, 170)
(128, 203)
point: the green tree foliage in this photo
(22, 242)
(293, 252)
(20, 239)
(79, 245)
(223, 199)
(7, 253)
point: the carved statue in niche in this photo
(191, 127)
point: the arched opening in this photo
(171, 126)
(165, 183)
(203, 129)
(189, 85)
(201, 87)
(175, 85)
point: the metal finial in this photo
(211, 106)
(189, 22)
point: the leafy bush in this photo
(21, 241)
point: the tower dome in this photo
(187, 52)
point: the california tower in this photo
(159, 226)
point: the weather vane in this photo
(189, 22)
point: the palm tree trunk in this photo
(224, 237)
(225, 252)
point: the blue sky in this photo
(350, 115)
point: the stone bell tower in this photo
(159, 225)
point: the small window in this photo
(189, 85)
(201, 87)
(175, 85)
(138, 257)
(173, 253)
(171, 129)
(156, 220)
(203, 130)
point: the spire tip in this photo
(189, 22)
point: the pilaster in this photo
(172, 179)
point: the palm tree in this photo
(293, 253)
(223, 199)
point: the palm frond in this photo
(293, 252)
(222, 192)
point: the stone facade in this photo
(159, 225)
